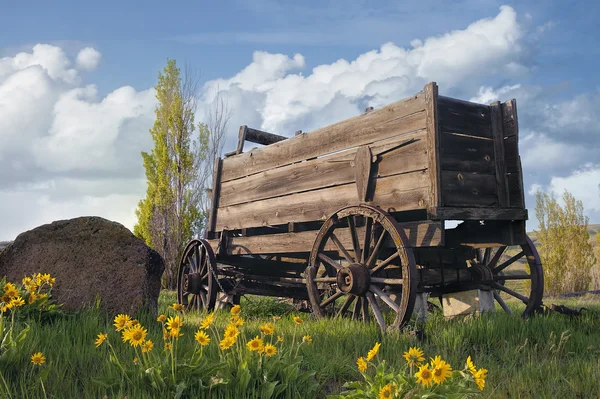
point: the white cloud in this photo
(584, 184)
(66, 152)
(485, 48)
(88, 59)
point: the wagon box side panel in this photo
(467, 154)
(400, 117)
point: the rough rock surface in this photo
(91, 258)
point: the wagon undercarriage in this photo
(352, 217)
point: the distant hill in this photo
(4, 244)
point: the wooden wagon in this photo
(354, 216)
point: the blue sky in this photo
(219, 37)
(73, 123)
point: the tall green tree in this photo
(564, 242)
(170, 212)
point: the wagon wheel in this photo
(196, 284)
(490, 258)
(374, 263)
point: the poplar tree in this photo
(169, 214)
(564, 244)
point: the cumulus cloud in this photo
(489, 47)
(88, 59)
(65, 151)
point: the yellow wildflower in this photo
(38, 358)
(388, 391)
(101, 338)
(279, 338)
(231, 331)
(161, 318)
(168, 346)
(480, 378)
(135, 360)
(16, 302)
(276, 318)
(226, 343)
(471, 366)
(307, 339)
(175, 333)
(122, 321)
(441, 372)
(135, 335)
(414, 356)
(202, 338)
(373, 352)
(174, 323)
(267, 329)
(177, 307)
(236, 321)
(147, 346)
(298, 320)
(270, 350)
(235, 310)
(10, 291)
(362, 364)
(208, 320)
(255, 345)
(424, 375)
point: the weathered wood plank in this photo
(477, 214)
(463, 189)
(395, 193)
(463, 117)
(214, 203)
(509, 118)
(241, 139)
(400, 117)
(433, 143)
(419, 234)
(498, 139)
(515, 190)
(467, 153)
(511, 153)
(264, 138)
(516, 194)
(327, 171)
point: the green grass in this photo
(549, 356)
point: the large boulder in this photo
(91, 258)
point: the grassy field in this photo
(549, 356)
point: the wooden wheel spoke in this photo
(197, 258)
(325, 280)
(503, 304)
(513, 277)
(486, 255)
(331, 299)
(500, 287)
(356, 309)
(384, 297)
(509, 262)
(346, 305)
(373, 257)
(354, 235)
(191, 262)
(329, 261)
(342, 249)
(384, 263)
(365, 309)
(494, 261)
(367, 240)
(376, 311)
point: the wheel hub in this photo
(192, 283)
(354, 279)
